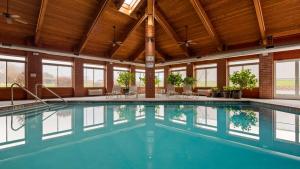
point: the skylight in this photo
(129, 6)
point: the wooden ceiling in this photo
(86, 26)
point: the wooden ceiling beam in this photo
(133, 28)
(40, 21)
(86, 36)
(160, 55)
(138, 53)
(207, 23)
(261, 22)
(170, 31)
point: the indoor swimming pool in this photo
(151, 135)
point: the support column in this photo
(34, 72)
(266, 75)
(221, 73)
(109, 77)
(78, 78)
(150, 50)
(190, 70)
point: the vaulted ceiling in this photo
(86, 26)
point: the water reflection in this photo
(12, 131)
(243, 122)
(267, 128)
(93, 117)
(206, 118)
(57, 123)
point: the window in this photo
(180, 70)
(178, 115)
(120, 114)
(139, 74)
(159, 76)
(206, 75)
(206, 118)
(57, 73)
(57, 123)
(12, 70)
(117, 71)
(252, 65)
(287, 77)
(129, 6)
(93, 117)
(12, 131)
(93, 75)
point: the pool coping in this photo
(268, 103)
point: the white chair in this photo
(133, 91)
(116, 91)
(171, 91)
(187, 90)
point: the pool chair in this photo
(116, 91)
(187, 91)
(171, 91)
(132, 91)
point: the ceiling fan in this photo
(187, 43)
(115, 42)
(10, 18)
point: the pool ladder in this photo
(33, 95)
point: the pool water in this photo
(151, 136)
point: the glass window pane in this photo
(255, 70)
(285, 78)
(98, 78)
(138, 76)
(160, 77)
(64, 76)
(200, 75)
(15, 73)
(232, 70)
(2, 74)
(211, 77)
(88, 77)
(50, 76)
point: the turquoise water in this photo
(151, 136)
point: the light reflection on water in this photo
(156, 132)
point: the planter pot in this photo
(215, 94)
(227, 94)
(237, 94)
(125, 91)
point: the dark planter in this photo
(125, 91)
(236, 94)
(215, 94)
(227, 94)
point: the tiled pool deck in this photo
(279, 102)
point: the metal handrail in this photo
(55, 94)
(27, 91)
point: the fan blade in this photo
(119, 43)
(189, 41)
(193, 43)
(181, 43)
(21, 21)
(14, 16)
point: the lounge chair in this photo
(133, 91)
(116, 91)
(171, 91)
(187, 91)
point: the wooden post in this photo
(150, 50)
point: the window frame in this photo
(119, 69)
(178, 69)
(139, 71)
(57, 66)
(206, 67)
(94, 67)
(158, 71)
(243, 65)
(21, 60)
(297, 80)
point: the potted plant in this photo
(227, 91)
(175, 79)
(215, 92)
(189, 81)
(243, 79)
(124, 80)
